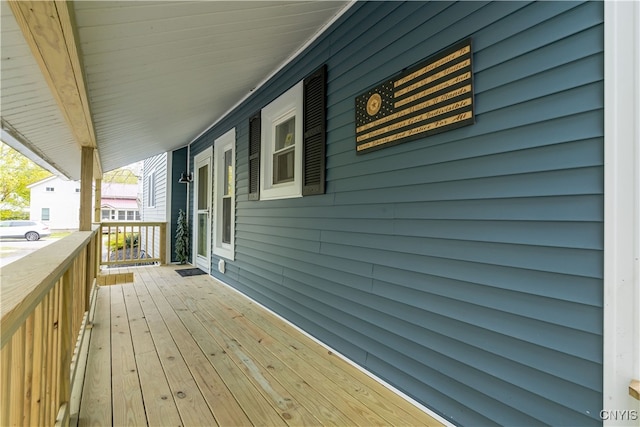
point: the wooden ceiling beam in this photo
(48, 28)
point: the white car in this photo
(30, 230)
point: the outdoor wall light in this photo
(185, 178)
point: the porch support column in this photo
(86, 186)
(621, 340)
(98, 202)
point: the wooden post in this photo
(97, 211)
(163, 243)
(86, 184)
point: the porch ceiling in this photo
(154, 74)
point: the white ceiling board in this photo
(158, 74)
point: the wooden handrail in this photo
(44, 304)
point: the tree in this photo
(182, 238)
(16, 173)
(126, 175)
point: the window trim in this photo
(287, 105)
(221, 145)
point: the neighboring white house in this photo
(56, 202)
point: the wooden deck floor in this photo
(167, 350)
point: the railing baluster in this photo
(38, 365)
(64, 334)
(146, 242)
(55, 371)
(5, 383)
(28, 373)
(46, 359)
(153, 241)
(17, 378)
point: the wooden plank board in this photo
(243, 346)
(287, 352)
(159, 403)
(206, 355)
(128, 408)
(211, 385)
(191, 405)
(95, 407)
(353, 381)
(282, 401)
(256, 405)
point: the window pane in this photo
(203, 197)
(202, 234)
(129, 215)
(228, 176)
(45, 214)
(226, 220)
(121, 215)
(105, 213)
(152, 189)
(285, 134)
(283, 166)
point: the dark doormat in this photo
(190, 272)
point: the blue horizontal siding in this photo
(464, 268)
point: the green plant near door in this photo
(182, 238)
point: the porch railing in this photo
(133, 243)
(45, 303)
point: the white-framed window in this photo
(106, 214)
(49, 189)
(287, 142)
(151, 188)
(224, 201)
(281, 153)
(45, 214)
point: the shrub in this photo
(118, 241)
(182, 238)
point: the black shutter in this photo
(314, 130)
(254, 156)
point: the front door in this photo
(202, 210)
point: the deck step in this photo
(114, 279)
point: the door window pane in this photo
(202, 234)
(203, 193)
